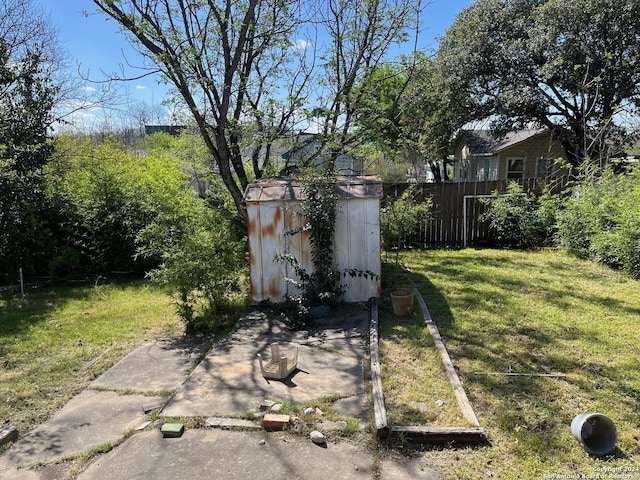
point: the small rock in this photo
(258, 415)
(266, 404)
(262, 442)
(439, 403)
(276, 407)
(298, 424)
(309, 410)
(8, 434)
(318, 411)
(326, 426)
(317, 438)
(214, 422)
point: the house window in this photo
(487, 170)
(515, 168)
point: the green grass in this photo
(58, 339)
(535, 313)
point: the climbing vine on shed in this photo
(322, 287)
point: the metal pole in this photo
(21, 283)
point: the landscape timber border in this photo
(420, 434)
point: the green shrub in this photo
(401, 218)
(520, 220)
(203, 265)
(131, 211)
(601, 221)
(106, 196)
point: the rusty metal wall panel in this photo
(266, 222)
(357, 244)
(295, 244)
(255, 251)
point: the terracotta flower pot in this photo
(402, 301)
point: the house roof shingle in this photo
(483, 142)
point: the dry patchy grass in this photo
(58, 339)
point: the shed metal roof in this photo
(290, 189)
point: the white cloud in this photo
(140, 87)
(302, 44)
(88, 89)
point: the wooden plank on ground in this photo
(379, 409)
(438, 435)
(461, 396)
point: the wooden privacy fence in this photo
(457, 208)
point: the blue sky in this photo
(94, 44)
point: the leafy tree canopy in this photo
(270, 64)
(379, 114)
(573, 67)
(27, 98)
(404, 110)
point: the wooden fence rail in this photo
(457, 208)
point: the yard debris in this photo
(172, 430)
(318, 438)
(326, 426)
(266, 404)
(8, 434)
(150, 406)
(143, 425)
(274, 421)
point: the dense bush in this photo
(400, 218)
(521, 220)
(27, 97)
(601, 221)
(135, 211)
(203, 265)
(106, 196)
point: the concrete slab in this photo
(356, 406)
(19, 474)
(154, 367)
(406, 469)
(230, 456)
(89, 419)
(56, 471)
(229, 382)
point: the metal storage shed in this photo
(271, 209)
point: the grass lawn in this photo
(534, 313)
(58, 339)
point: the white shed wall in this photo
(357, 246)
